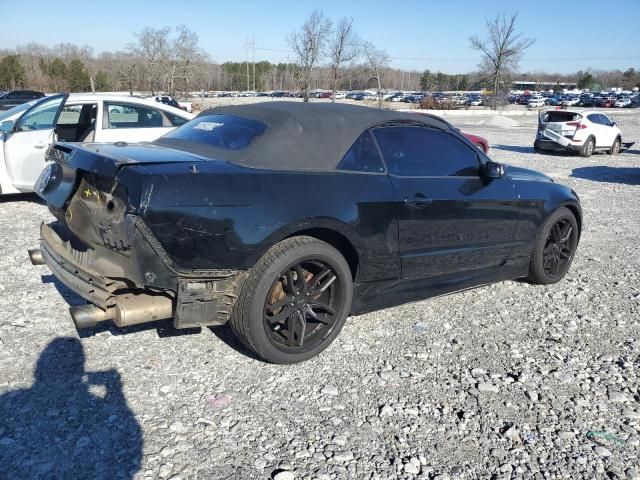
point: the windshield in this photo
(18, 109)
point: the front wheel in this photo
(615, 148)
(294, 301)
(555, 248)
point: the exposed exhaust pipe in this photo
(35, 256)
(130, 309)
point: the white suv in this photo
(582, 132)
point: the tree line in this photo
(324, 57)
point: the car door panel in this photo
(451, 220)
(24, 148)
(466, 224)
(608, 132)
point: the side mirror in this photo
(6, 127)
(493, 170)
(613, 124)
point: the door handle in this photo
(418, 201)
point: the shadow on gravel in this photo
(70, 423)
(70, 297)
(624, 175)
(22, 197)
(224, 333)
(514, 148)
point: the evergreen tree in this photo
(78, 77)
(426, 81)
(12, 73)
(101, 81)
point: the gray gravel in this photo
(506, 381)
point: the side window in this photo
(425, 152)
(132, 116)
(593, 118)
(604, 120)
(70, 115)
(363, 156)
(175, 120)
(40, 117)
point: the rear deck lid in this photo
(107, 158)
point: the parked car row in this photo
(589, 99)
(14, 98)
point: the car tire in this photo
(554, 248)
(277, 315)
(588, 147)
(615, 148)
(481, 147)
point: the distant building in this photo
(527, 85)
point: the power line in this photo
(472, 59)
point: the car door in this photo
(451, 219)
(130, 122)
(25, 145)
(609, 133)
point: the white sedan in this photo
(28, 129)
(622, 103)
(536, 102)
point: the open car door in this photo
(25, 145)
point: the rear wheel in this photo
(615, 148)
(294, 301)
(481, 147)
(587, 148)
(555, 248)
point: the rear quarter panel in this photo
(212, 215)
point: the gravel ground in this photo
(506, 381)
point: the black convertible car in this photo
(283, 218)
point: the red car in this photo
(479, 142)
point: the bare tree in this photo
(377, 60)
(186, 56)
(343, 48)
(308, 45)
(153, 47)
(501, 50)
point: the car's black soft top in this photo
(300, 136)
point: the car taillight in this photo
(576, 124)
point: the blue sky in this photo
(417, 34)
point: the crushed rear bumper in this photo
(105, 277)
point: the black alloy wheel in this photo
(558, 248)
(300, 311)
(554, 248)
(294, 301)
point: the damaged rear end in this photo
(559, 130)
(101, 247)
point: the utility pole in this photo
(248, 84)
(253, 61)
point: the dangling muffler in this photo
(130, 309)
